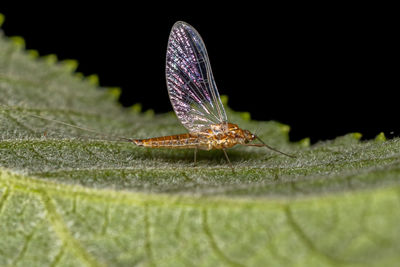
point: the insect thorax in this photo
(219, 136)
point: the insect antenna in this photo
(83, 128)
(274, 149)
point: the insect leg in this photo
(227, 158)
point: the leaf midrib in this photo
(31, 184)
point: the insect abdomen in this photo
(172, 141)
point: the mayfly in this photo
(195, 100)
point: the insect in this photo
(195, 100)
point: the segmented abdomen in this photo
(172, 141)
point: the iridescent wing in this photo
(191, 86)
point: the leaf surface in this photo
(68, 199)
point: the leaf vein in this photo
(148, 247)
(3, 199)
(63, 232)
(58, 257)
(307, 241)
(213, 243)
(22, 252)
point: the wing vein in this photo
(191, 86)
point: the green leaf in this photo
(68, 199)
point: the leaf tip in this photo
(70, 65)
(305, 142)
(356, 136)
(50, 59)
(380, 137)
(79, 75)
(149, 113)
(136, 108)
(224, 100)
(245, 116)
(2, 19)
(114, 92)
(284, 128)
(33, 54)
(93, 79)
(18, 42)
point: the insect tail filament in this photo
(83, 128)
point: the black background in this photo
(324, 70)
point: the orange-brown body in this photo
(218, 136)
